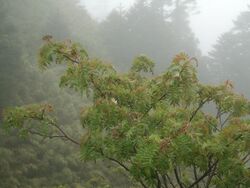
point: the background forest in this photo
(159, 29)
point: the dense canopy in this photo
(156, 127)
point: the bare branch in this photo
(170, 180)
(119, 163)
(197, 109)
(164, 181)
(44, 135)
(158, 180)
(205, 174)
(65, 135)
(178, 178)
(245, 157)
(195, 175)
(246, 160)
(151, 106)
(123, 166)
(225, 121)
(211, 175)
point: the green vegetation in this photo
(153, 126)
(135, 128)
(38, 163)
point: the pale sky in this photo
(215, 17)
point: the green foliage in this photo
(142, 63)
(155, 127)
(40, 162)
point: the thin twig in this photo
(44, 135)
(65, 135)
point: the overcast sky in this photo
(215, 17)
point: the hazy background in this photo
(213, 17)
(216, 32)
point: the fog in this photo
(103, 73)
(215, 18)
(212, 18)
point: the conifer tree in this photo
(231, 54)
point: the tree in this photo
(230, 55)
(159, 28)
(28, 163)
(152, 126)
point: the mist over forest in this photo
(126, 59)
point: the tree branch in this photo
(127, 169)
(195, 175)
(158, 180)
(44, 135)
(170, 181)
(245, 160)
(225, 121)
(68, 57)
(164, 181)
(119, 163)
(65, 135)
(211, 174)
(96, 87)
(151, 106)
(124, 167)
(204, 174)
(197, 109)
(178, 178)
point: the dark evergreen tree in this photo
(231, 54)
(26, 163)
(158, 28)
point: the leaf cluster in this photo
(155, 127)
